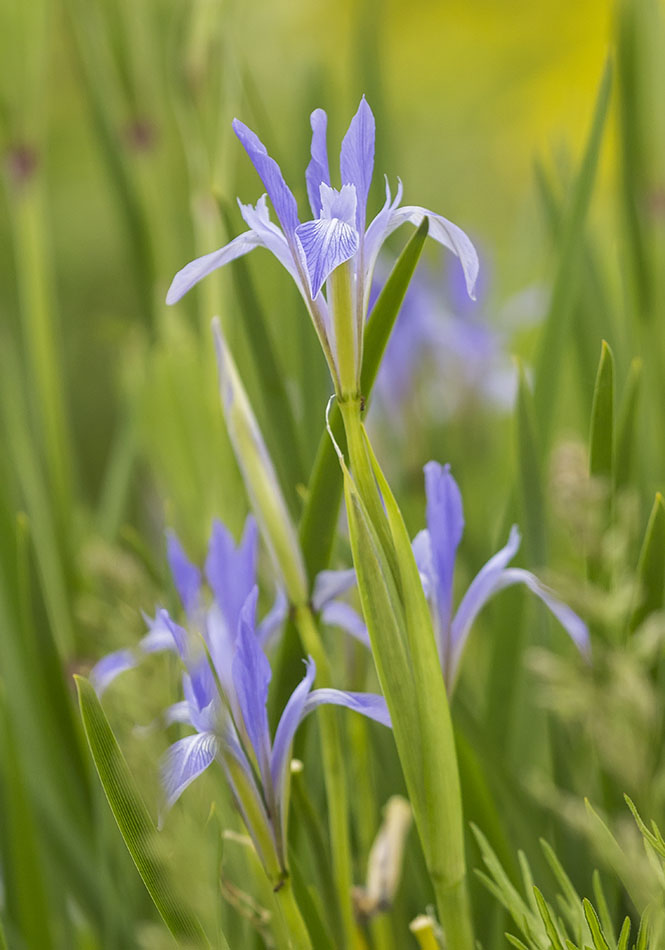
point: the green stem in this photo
(298, 936)
(335, 779)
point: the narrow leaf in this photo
(530, 470)
(626, 424)
(546, 917)
(651, 565)
(592, 920)
(133, 819)
(601, 441)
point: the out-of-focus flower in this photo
(225, 685)
(445, 348)
(435, 549)
(336, 248)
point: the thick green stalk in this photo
(298, 936)
(335, 778)
(407, 663)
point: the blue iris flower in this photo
(337, 234)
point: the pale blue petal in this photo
(105, 670)
(445, 522)
(220, 640)
(178, 712)
(376, 234)
(422, 552)
(270, 174)
(331, 584)
(270, 236)
(443, 231)
(368, 704)
(338, 614)
(357, 157)
(197, 269)
(231, 569)
(185, 761)
(339, 204)
(251, 678)
(273, 620)
(178, 633)
(186, 576)
(159, 636)
(317, 170)
(290, 719)
(326, 244)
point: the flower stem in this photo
(297, 934)
(335, 779)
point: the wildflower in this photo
(225, 687)
(435, 549)
(336, 248)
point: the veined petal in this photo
(185, 761)
(270, 174)
(251, 677)
(331, 584)
(368, 704)
(338, 614)
(326, 244)
(105, 670)
(186, 576)
(357, 157)
(445, 522)
(443, 231)
(317, 170)
(231, 570)
(273, 620)
(197, 269)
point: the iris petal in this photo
(185, 761)
(357, 157)
(317, 170)
(270, 174)
(445, 522)
(251, 677)
(326, 245)
(197, 269)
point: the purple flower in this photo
(435, 550)
(225, 681)
(338, 234)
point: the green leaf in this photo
(133, 819)
(602, 907)
(626, 427)
(548, 921)
(624, 936)
(317, 527)
(651, 565)
(601, 440)
(530, 471)
(600, 943)
(557, 325)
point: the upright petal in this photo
(270, 174)
(445, 522)
(231, 570)
(357, 158)
(326, 243)
(186, 576)
(443, 231)
(251, 677)
(197, 269)
(290, 719)
(317, 170)
(185, 761)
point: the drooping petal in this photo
(289, 722)
(185, 761)
(105, 670)
(357, 158)
(270, 174)
(231, 570)
(342, 615)
(186, 576)
(368, 704)
(375, 236)
(251, 677)
(326, 243)
(273, 620)
(443, 231)
(331, 584)
(445, 522)
(199, 268)
(317, 170)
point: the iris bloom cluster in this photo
(435, 550)
(225, 680)
(337, 248)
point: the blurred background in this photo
(119, 165)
